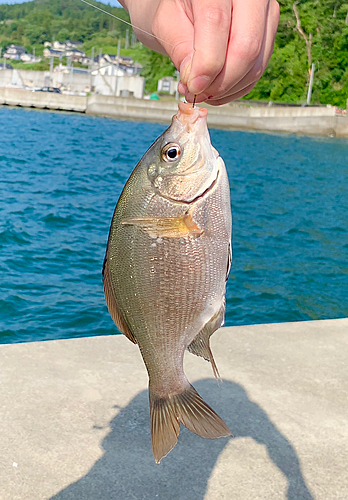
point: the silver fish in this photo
(167, 261)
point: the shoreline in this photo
(317, 121)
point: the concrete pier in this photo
(308, 120)
(74, 419)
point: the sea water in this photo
(61, 175)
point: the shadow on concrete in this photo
(127, 469)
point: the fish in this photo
(167, 261)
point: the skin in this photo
(221, 48)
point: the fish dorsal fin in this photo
(200, 346)
(111, 302)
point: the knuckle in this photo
(248, 47)
(217, 17)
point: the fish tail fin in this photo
(188, 408)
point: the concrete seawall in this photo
(310, 120)
(74, 419)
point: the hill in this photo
(310, 31)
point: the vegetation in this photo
(310, 31)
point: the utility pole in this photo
(92, 61)
(118, 65)
(133, 39)
(51, 69)
(309, 95)
(126, 43)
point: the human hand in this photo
(220, 47)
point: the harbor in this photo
(320, 121)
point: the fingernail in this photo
(198, 84)
(185, 68)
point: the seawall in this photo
(308, 120)
(74, 419)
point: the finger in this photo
(232, 97)
(245, 45)
(220, 89)
(212, 22)
(192, 97)
(177, 43)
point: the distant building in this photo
(14, 52)
(63, 46)
(52, 53)
(125, 64)
(167, 84)
(75, 54)
(30, 58)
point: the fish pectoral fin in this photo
(111, 302)
(188, 408)
(200, 346)
(166, 227)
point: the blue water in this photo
(60, 178)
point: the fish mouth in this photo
(189, 115)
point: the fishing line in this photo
(126, 22)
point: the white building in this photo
(167, 84)
(14, 52)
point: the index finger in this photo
(212, 22)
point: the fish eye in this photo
(171, 152)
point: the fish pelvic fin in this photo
(200, 345)
(188, 408)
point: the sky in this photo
(113, 3)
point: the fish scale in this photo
(165, 270)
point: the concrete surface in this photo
(74, 419)
(309, 120)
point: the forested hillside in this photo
(35, 22)
(309, 32)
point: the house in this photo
(125, 64)
(63, 46)
(14, 52)
(167, 84)
(72, 45)
(110, 70)
(75, 54)
(30, 58)
(52, 53)
(58, 46)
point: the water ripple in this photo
(61, 175)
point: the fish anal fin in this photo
(188, 408)
(166, 227)
(111, 302)
(200, 346)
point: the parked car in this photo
(54, 90)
